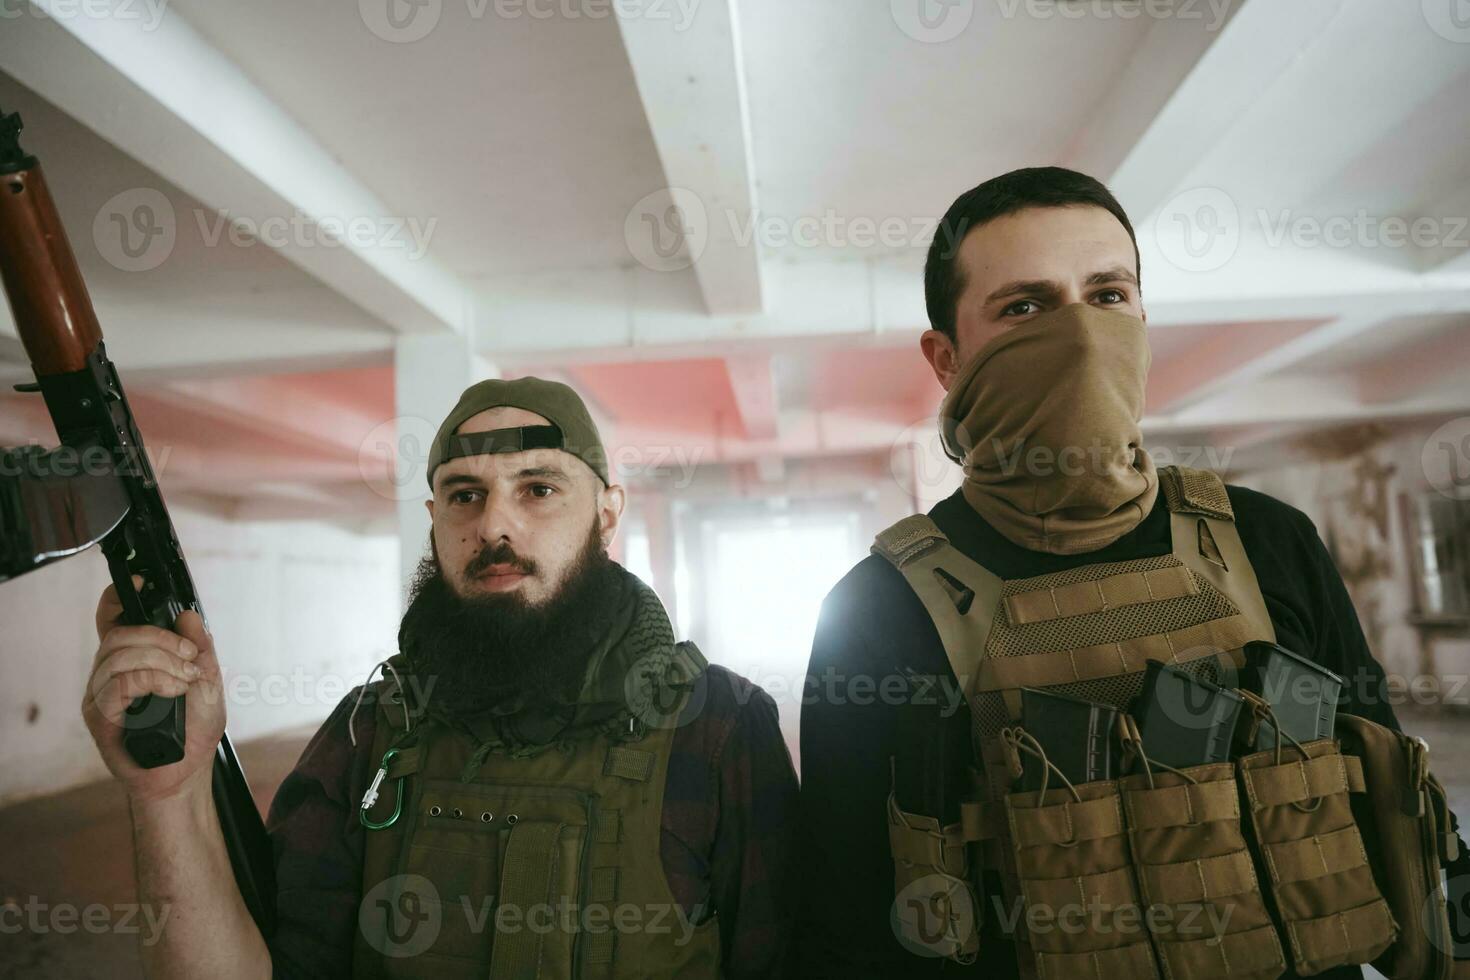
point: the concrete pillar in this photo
(658, 519)
(429, 373)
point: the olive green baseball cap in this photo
(571, 430)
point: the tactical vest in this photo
(1308, 856)
(1088, 633)
(514, 868)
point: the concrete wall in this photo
(1350, 482)
(300, 612)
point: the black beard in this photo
(498, 651)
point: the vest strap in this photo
(634, 764)
(1211, 548)
(960, 595)
(407, 762)
(690, 658)
(1199, 492)
(908, 539)
(526, 880)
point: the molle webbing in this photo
(1098, 595)
(633, 764)
(1088, 631)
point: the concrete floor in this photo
(73, 849)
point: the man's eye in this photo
(1021, 307)
(542, 490)
(464, 496)
(1112, 296)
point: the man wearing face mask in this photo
(544, 784)
(1066, 561)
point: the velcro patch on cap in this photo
(504, 441)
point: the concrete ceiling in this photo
(512, 166)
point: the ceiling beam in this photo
(1175, 379)
(278, 408)
(351, 504)
(1261, 278)
(1170, 50)
(234, 473)
(637, 313)
(1296, 398)
(194, 464)
(690, 76)
(181, 108)
(151, 345)
(1275, 359)
(1256, 434)
(754, 385)
(1254, 49)
(1451, 256)
(1402, 374)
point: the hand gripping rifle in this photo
(99, 486)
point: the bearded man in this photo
(543, 785)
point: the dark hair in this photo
(1033, 187)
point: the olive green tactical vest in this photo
(1086, 632)
(538, 868)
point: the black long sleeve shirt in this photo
(872, 624)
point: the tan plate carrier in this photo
(1127, 854)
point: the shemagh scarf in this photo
(1044, 420)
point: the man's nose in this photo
(499, 520)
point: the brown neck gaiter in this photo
(1044, 420)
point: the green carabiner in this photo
(371, 796)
